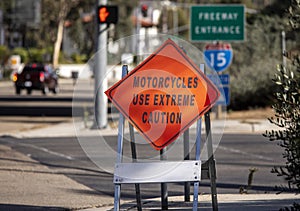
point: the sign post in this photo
(105, 16)
(218, 56)
(223, 87)
(162, 102)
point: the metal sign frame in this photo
(126, 173)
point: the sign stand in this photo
(134, 159)
(186, 154)
(164, 186)
(212, 174)
(125, 173)
(120, 149)
(211, 163)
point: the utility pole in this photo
(283, 46)
(100, 115)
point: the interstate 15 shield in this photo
(218, 56)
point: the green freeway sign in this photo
(217, 22)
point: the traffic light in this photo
(107, 14)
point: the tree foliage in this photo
(253, 61)
(287, 112)
(287, 117)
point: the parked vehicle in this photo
(36, 77)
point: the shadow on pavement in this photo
(15, 207)
(257, 205)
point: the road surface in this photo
(236, 154)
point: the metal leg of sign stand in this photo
(211, 160)
(119, 160)
(198, 152)
(120, 149)
(186, 151)
(134, 159)
(120, 154)
(211, 163)
(164, 187)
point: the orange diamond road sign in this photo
(164, 95)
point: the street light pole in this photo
(283, 46)
(100, 120)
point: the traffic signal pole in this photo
(99, 75)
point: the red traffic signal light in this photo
(107, 14)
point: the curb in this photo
(227, 202)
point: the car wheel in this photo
(29, 91)
(45, 90)
(18, 90)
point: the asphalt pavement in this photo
(27, 184)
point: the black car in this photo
(36, 77)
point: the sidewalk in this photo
(26, 184)
(25, 181)
(226, 202)
(66, 128)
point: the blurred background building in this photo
(21, 17)
(24, 16)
